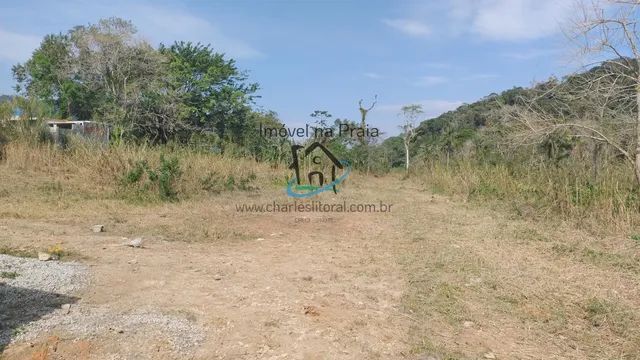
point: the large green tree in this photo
(106, 72)
(214, 92)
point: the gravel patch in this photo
(31, 289)
(142, 326)
(37, 297)
(47, 276)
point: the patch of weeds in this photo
(4, 193)
(531, 234)
(608, 259)
(598, 257)
(427, 349)
(9, 274)
(5, 250)
(143, 180)
(442, 298)
(563, 249)
(635, 237)
(216, 183)
(438, 189)
(17, 331)
(600, 313)
(51, 188)
(134, 175)
(166, 177)
(486, 190)
(57, 251)
(280, 180)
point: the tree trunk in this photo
(637, 158)
(406, 151)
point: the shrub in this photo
(163, 179)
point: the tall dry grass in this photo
(567, 191)
(103, 170)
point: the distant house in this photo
(87, 129)
(17, 113)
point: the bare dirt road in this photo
(433, 279)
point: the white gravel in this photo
(36, 289)
(48, 276)
(32, 304)
(144, 325)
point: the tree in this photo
(609, 29)
(214, 92)
(46, 77)
(126, 73)
(105, 72)
(410, 114)
(363, 116)
(598, 106)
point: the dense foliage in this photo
(106, 73)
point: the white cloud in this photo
(16, 47)
(480, 77)
(168, 25)
(155, 23)
(430, 80)
(409, 27)
(513, 20)
(431, 107)
(372, 75)
(498, 20)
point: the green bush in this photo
(164, 179)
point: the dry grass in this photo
(42, 182)
(84, 171)
(543, 191)
(481, 282)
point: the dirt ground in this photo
(433, 279)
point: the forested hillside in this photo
(552, 121)
(563, 146)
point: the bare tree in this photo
(599, 105)
(410, 114)
(609, 29)
(363, 116)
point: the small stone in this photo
(136, 243)
(311, 310)
(66, 308)
(43, 256)
(489, 355)
(260, 239)
(217, 277)
(119, 331)
(468, 324)
(97, 228)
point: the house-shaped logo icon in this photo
(297, 186)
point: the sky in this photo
(328, 54)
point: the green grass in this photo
(602, 313)
(6, 250)
(8, 274)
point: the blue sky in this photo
(327, 55)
